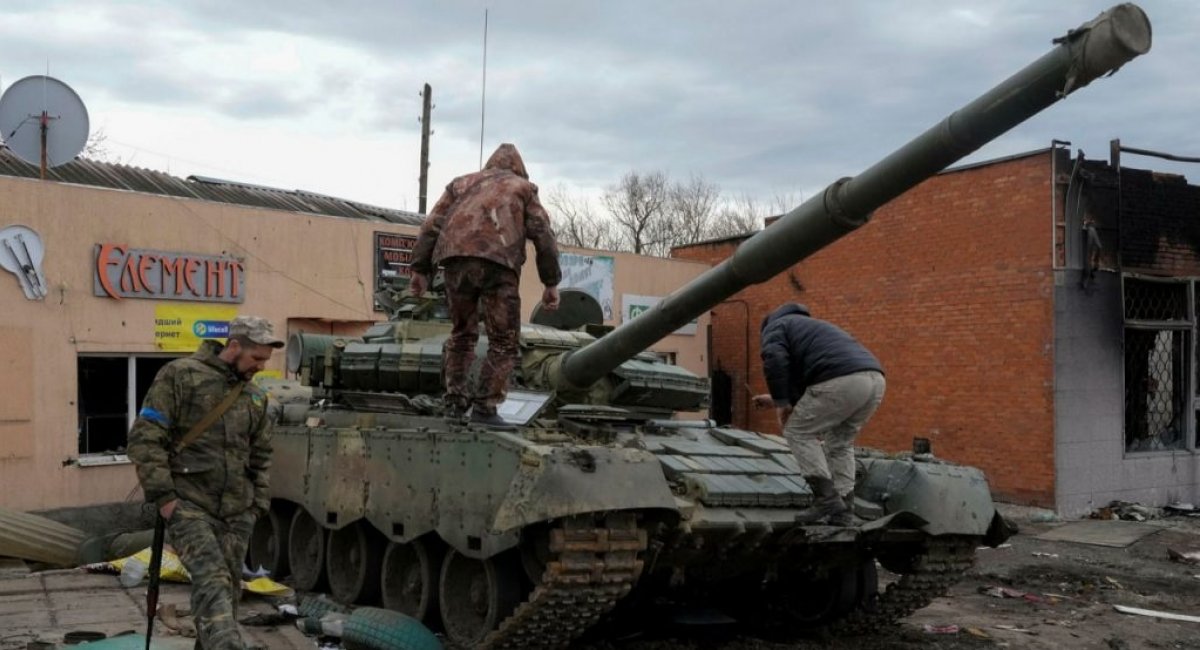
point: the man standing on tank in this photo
(824, 385)
(477, 232)
(211, 488)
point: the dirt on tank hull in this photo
(598, 495)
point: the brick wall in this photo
(950, 285)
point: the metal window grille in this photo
(1158, 364)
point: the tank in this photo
(605, 496)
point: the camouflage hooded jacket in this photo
(490, 214)
(224, 469)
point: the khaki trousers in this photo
(825, 422)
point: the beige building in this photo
(139, 266)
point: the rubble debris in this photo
(1190, 557)
(1014, 628)
(1157, 614)
(1128, 511)
(1006, 592)
(1181, 509)
(988, 548)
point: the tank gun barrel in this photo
(1096, 48)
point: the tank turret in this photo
(525, 538)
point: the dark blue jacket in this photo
(799, 351)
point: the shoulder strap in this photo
(211, 417)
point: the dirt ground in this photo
(1072, 588)
(1060, 595)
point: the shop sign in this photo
(123, 272)
(393, 259)
(633, 306)
(181, 328)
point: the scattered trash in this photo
(1127, 511)
(1053, 556)
(247, 574)
(1043, 517)
(1156, 614)
(974, 631)
(1181, 509)
(1191, 557)
(289, 609)
(940, 629)
(1005, 592)
(169, 614)
(132, 570)
(1014, 628)
(988, 548)
(1112, 582)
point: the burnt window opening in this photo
(111, 389)
(1159, 364)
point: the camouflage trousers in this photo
(477, 287)
(212, 551)
(824, 423)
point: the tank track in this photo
(943, 563)
(589, 570)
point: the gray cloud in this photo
(760, 97)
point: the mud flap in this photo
(999, 530)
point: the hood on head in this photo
(507, 157)
(787, 309)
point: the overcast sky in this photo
(761, 98)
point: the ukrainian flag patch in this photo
(152, 415)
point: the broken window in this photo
(1159, 327)
(111, 388)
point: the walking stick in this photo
(156, 553)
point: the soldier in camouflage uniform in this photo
(211, 491)
(477, 231)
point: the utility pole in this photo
(426, 107)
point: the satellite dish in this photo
(41, 115)
(576, 308)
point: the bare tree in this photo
(738, 216)
(691, 209)
(576, 222)
(96, 147)
(637, 204)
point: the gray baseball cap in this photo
(256, 329)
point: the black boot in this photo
(826, 502)
(846, 518)
(490, 420)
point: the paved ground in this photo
(46, 605)
(1072, 589)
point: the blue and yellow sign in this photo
(181, 328)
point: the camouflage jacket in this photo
(224, 469)
(490, 214)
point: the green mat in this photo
(138, 642)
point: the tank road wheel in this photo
(268, 542)
(477, 595)
(410, 578)
(353, 558)
(842, 591)
(306, 551)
